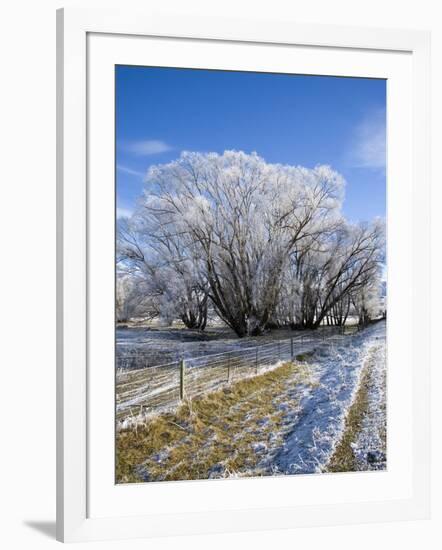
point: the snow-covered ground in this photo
(151, 346)
(317, 426)
(314, 413)
(370, 446)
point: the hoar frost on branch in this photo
(261, 243)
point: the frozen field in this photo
(143, 347)
(312, 415)
(145, 387)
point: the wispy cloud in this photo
(369, 148)
(145, 148)
(130, 171)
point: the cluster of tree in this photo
(260, 244)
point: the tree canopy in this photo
(260, 243)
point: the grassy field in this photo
(233, 431)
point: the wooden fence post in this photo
(182, 369)
(291, 348)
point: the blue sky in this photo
(290, 119)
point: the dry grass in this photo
(226, 432)
(343, 459)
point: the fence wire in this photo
(142, 389)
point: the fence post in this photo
(182, 369)
(256, 359)
(291, 348)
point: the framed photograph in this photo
(243, 255)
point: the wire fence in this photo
(156, 388)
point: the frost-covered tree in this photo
(132, 299)
(368, 302)
(355, 261)
(171, 282)
(240, 219)
(263, 243)
(322, 277)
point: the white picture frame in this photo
(85, 497)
